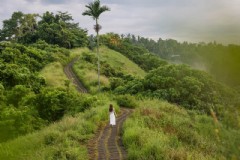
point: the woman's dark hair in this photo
(110, 108)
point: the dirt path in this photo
(68, 70)
(107, 144)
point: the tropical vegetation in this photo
(180, 112)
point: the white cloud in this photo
(185, 20)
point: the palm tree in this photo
(94, 10)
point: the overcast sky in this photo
(183, 20)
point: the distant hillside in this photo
(219, 60)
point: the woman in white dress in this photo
(112, 115)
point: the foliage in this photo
(95, 10)
(21, 86)
(126, 101)
(181, 85)
(52, 28)
(53, 103)
(18, 121)
(9, 30)
(18, 115)
(20, 27)
(58, 29)
(190, 88)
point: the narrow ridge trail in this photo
(68, 70)
(107, 144)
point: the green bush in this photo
(179, 84)
(116, 82)
(126, 101)
(89, 57)
(107, 70)
(15, 122)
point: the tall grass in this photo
(77, 52)
(120, 62)
(66, 139)
(159, 130)
(88, 76)
(54, 75)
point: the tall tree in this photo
(27, 31)
(59, 29)
(94, 9)
(11, 26)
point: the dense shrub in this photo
(52, 104)
(191, 88)
(181, 85)
(89, 57)
(126, 101)
(116, 82)
(25, 105)
(18, 121)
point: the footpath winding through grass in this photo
(72, 77)
(65, 139)
(106, 144)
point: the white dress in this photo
(112, 118)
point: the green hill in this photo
(111, 63)
(156, 130)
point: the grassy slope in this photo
(120, 62)
(159, 130)
(54, 75)
(87, 72)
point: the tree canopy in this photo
(52, 28)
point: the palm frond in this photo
(87, 13)
(103, 9)
(94, 9)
